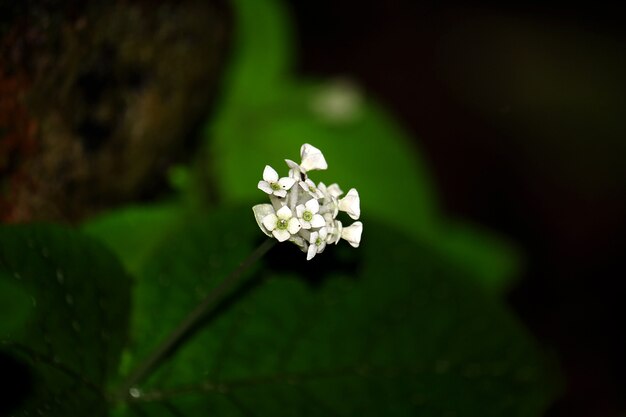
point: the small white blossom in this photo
(272, 185)
(282, 224)
(352, 234)
(308, 214)
(312, 158)
(333, 189)
(309, 186)
(317, 243)
(334, 231)
(351, 204)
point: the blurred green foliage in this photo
(407, 324)
(266, 115)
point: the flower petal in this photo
(312, 205)
(293, 226)
(300, 210)
(352, 234)
(317, 221)
(334, 190)
(281, 235)
(310, 254)
(312, 158)
(265, 187)
(351, 204)
(270, 221)
(286, 183)
(260, 212)
(270, 174)
(284, 213)
(280, 193)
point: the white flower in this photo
(309, 186)
(352, 234)
(274, 186)
(332, 190)
(282, 224)
(334, 230)
(351, 204)
(308, 214)
(312, 158)
(317, 243)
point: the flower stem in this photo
(188, 325)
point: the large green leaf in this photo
(391, 328)
(78, 297)
(133, 232)
(14, 305)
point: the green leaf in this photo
(133, 232)
(262, 50)
(78, 296)
(391, 328)
(14, 305)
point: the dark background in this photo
(519, 111)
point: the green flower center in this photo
(281, 224)
(307, 216)
(275, 186)
(311, 188)
(318, 241)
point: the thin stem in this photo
(187, 325)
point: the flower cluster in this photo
(305, 213)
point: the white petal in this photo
(323, 232)
(321, 187)
(260, 212)
(312, 158)
(269, 174)
(294, 170)
(317, 221)
(313, 237)
(265, 187)
(321, 247)
(284, 213)
(310, 254)
(286, 183)
(293, 226)
(300, 210)
(334, 232)
(351, 204)
(334, 190)
(281, 235)
(352, 234)
(312, 205)
(270, 221)
(291, 164)
(280, 193)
